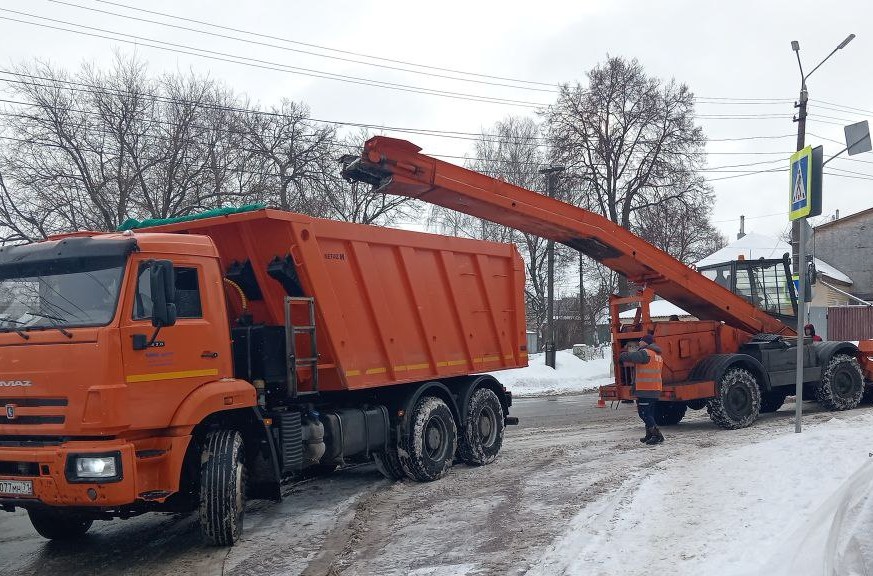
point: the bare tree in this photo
(628, 141)
(294, 152)
(357, 202)
(681, 228)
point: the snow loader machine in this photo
(188, 364)
(737, 360)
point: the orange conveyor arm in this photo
(397, 167)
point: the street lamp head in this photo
(848, 39)
(795, 45)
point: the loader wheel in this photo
(483, 428)
(737, 400)
(58, 524)
(388, 462)
(773, 400)
(427, 449)
(222, 488)
(669, 413)
(842, 384)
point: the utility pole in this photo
(551, 173)
(798, 231)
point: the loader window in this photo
(188, 303)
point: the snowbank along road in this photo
(573, 492)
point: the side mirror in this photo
(163, 292)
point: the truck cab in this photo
(112, 349)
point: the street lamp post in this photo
(551, 173)
(798, 230)
(801, 126)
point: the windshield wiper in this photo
(18, 331)
(54, 320)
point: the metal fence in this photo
(850, 323)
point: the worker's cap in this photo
(648, 339)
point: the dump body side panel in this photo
(392, 306)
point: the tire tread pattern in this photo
(220, 521)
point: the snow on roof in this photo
(657, 309)
(754, 246)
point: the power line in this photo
(262, 64)
(299, 51)
(75, 86)
(321, 47)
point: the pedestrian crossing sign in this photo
(805, 189)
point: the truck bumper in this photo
(671, 392)
(148, 471)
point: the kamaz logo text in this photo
(15, 383)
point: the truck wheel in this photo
(427, 450)
(59, 524)
(842, 383)
(867, 398)
(222, 488)
(772, 401)
(388, 463)
(483, 428)
(669, 413)
(737, 400)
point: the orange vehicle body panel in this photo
(93, 388)
(392, 306)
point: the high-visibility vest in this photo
(649, 375)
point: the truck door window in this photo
(188, 304)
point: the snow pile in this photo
(777, 507)
(570, 375)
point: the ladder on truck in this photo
(294, 362)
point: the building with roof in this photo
(847, 243)
(834, 288)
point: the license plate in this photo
(16, 487)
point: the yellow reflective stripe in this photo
(170, 375)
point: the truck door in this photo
(182, 357)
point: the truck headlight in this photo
(94, 467)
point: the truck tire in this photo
(737, 400)
(222, 488)
(842, 383)
(483, 429)
(388, 463)
(58, 524)
(669, 413)
(427, 449)
(773, 400)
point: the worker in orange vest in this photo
(647, 384)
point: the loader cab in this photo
(765, 283)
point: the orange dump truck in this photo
(192, 364)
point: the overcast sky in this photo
(734, 50)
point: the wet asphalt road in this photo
(314, 528)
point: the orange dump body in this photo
(392, 306)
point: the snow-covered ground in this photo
(570, 375)
(781, 504)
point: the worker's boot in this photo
(648, 435)
(656, 438)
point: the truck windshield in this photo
(48, 295)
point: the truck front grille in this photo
(17, 411)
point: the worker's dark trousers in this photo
(646, 410)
